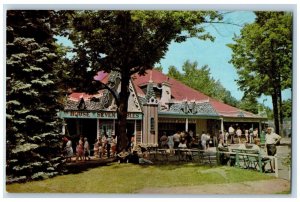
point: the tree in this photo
(262, 55)
(127, 42)
(33, 138)
(249, 103)
(287, 108)
(200, 79)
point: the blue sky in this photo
(215, 54)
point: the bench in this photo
(247, 158)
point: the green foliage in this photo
(249, 103)
(127, 42)
(201, 80)
(33, 128)
(287, 108)
(262, 55)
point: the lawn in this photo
(129, 178)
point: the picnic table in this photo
(184, 154)
(248, 159)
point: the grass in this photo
(129, 178)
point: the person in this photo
(108, 145)
(231, 134)
(251, 135)
(132, 139)
(247, 135)
(182, 144)
(134, 157)
(239, 134)
(171, 144)
(96, 148)
(145, 156)
(204, 139)
(86, 149)
(104, 142)
(79, 149)
(68, 150)
(183, 154)
(255, 134)
(164, 140)
(122, 157)
(176, 139)
(226, 137)
(221, 138)
(189, 138)
(270, 144)
(114, 145)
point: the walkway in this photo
(255, 187)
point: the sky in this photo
(215, 54)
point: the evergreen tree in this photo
(33, 139)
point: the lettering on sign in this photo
(79, 113)
(106, 114)
(133, 116)
(95, 115)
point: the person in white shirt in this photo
(270, 144)
(203, 140)
(231, 134)
(239, 134)
(176, 139)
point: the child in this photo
(86, 149)
(79, 151)
(96, 148)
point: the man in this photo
(270, 144)
(176, 139)
(231, 134)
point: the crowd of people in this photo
(106, 146)
(103, 148)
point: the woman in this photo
(68, 150)
(79, 149)
(171, 143)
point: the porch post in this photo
(134, 132)
(186, 124)
(222, 125)
(260, 129)
(98, 129)
(64, 127)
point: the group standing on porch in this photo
(106, 146)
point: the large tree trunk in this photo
(122, 113)
(280, 112)
(275, 110)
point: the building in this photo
(156, 104)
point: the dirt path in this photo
(256, 187)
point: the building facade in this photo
(156, 105)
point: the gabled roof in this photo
(177, 87)
(180, 93)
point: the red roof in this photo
(177, 87)
(182, 92)
(179, 92)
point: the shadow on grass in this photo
(81, 166)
